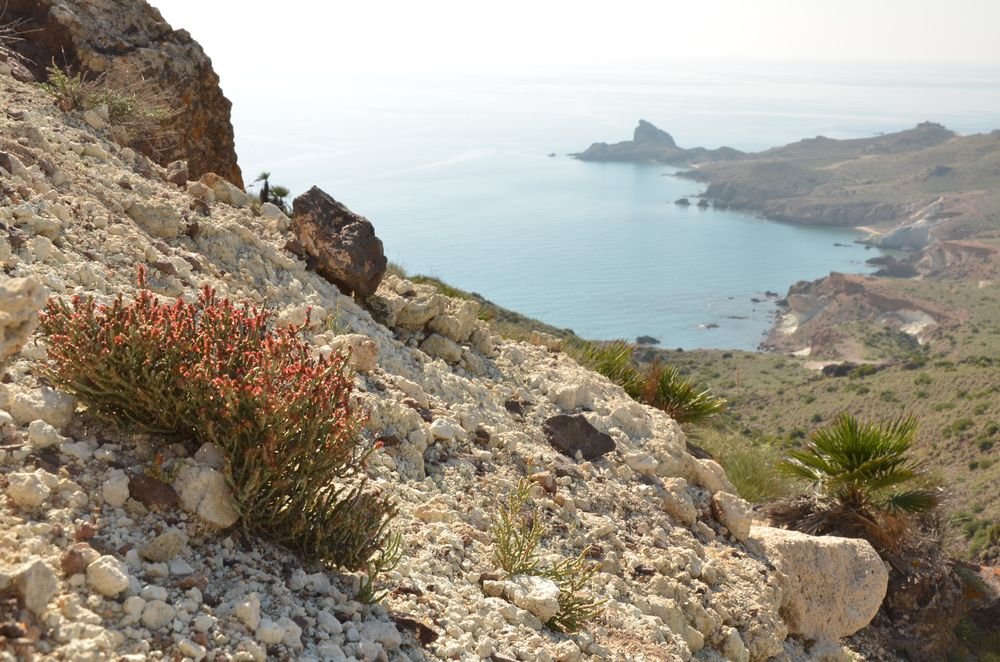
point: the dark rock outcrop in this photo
(570, 434)
(340, 245)
(129, 40)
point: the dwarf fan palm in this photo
(863, 464)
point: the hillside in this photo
(127, 545)
(922, 174)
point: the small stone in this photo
(248, 611)
(107, 575)
(546, 480)
(269, 632)
(189, 648)
(96, 152)
(291, 633)
(35, 583)
(151, 492)
(440, 347)
(153, 592)
(537, 595)
(361, 350)
(180, 568)
(75, 560)
(446, 430)
(204, 491)
(177, 172)
(115, 489)
(43, 435)
(204, 622)
(94, 119)
(163, 547)
(53, 407)
(133, 606)
(157, 614)
(28, 490)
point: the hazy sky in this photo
(302, 39)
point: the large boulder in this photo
(340, 245)
(572, 434)
(832, 587)
(131, 40)
(20, 301)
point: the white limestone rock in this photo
(31, 489)
(53, 407)
(733, 513)
(537, 595)
(833, 586)
(248, 611)
(157, 614)
(20, 301)
(203, 491)
(439, 347)
(269, 633)
(362, 352)
(35, 583)
(107, 575)
(115, 488)
(43, 435)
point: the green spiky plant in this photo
(859, 472)
(611, 359)
(657, 385)
(683, 400)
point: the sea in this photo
(469, 178)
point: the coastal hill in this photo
(127, 544)
(927, 175)
(650, 144)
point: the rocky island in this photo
(652, 145)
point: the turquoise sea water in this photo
(454, 174)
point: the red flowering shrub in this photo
(217, 372)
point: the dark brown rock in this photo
(570, 434)
(177, 172)
(130, 40)
(150, 491)
(74, 560)
(340, 245)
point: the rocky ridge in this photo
(115, 547)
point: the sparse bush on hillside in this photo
(217, 372)
(136, 112)
(858, 471)
(517, 532)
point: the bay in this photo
(455, 174)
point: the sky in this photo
(296, 40)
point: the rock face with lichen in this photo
(131, 38)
